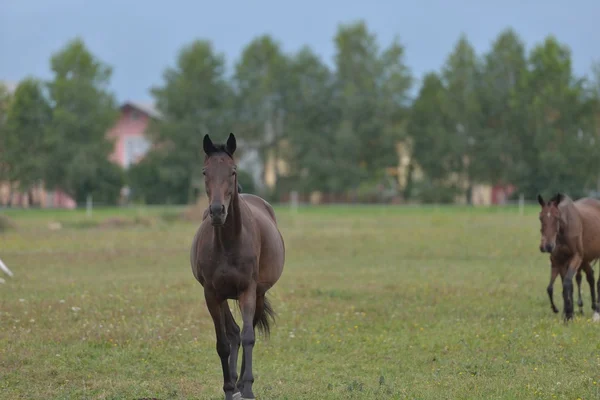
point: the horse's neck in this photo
(230, 232)
(571, 223)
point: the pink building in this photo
(131, 143)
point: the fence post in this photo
(521, 204)
(88, 206)
(294, 202)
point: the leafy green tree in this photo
(562, 154)
(261, 79)
(195, 99)
(503, 99)
(311, 123)
(433, 149)
(5, 99)
(461, 77)
(27, 122)
(371, 88)
(83, 111)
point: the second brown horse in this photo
(571, 234)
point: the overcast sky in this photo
(140, 38)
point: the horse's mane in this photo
(221, 148)
(560, 198)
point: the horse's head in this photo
(550, 219)
(220, 178)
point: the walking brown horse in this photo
(558, 262)
(572, 227)
(237, 253)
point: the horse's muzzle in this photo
(547, 248)
(217, 214)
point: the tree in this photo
(261, 77)
(562, 152)
(371, 89)
(311, 123)
(430, 128)
(195, 99)
(461, 75)
(83, 111)
(503, 99)
(5, 99)
(27, 122)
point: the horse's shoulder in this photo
(258, 205)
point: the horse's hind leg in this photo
(579, 299)
(233, 334)
(589, 276)
(215, 308)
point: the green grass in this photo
(374, 302)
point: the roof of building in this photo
(147, 108)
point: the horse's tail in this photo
(263, 320)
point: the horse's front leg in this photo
(550, 289)
(216, 310)
(574, 265)
(248, 308)
(233, 334)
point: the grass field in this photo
(374, 303)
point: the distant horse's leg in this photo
(550, 289)
(233, 334)
(579, 299)
(248, 307)
(589, 276)
(574, 265)
(223, 350)
(596, 316)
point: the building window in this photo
(135, 115)
(135, 148)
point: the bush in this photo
(150, 185)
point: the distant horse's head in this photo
(220, 178)
(550, 219)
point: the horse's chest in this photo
(229, 276)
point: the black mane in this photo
(220, 148)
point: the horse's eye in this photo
(204, 173)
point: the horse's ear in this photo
(558, 197)
(540, 200)
(231, 144)
(208, 145)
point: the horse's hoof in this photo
(237, 396)
(596, 317)
(555, 310)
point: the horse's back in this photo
(589, 210)
(272, 252)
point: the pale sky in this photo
(140, 38)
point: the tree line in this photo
(509, 116)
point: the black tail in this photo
(263, 320)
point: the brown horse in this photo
(572, 227)
(237, 253)
(558, 261)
